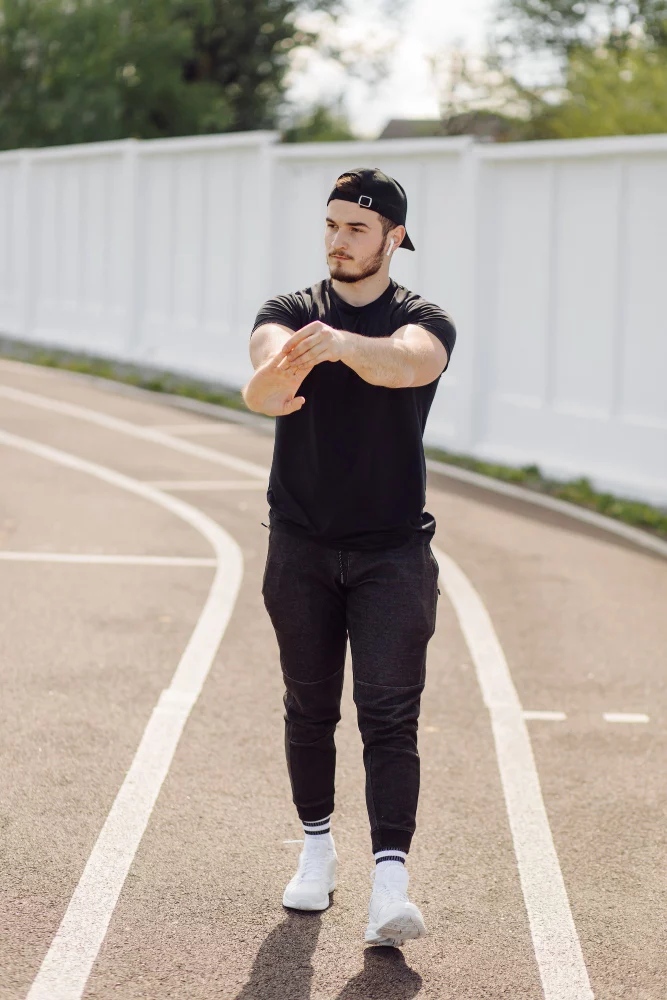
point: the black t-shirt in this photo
(348, 468)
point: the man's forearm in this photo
(379, 360)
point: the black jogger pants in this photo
(385, 602)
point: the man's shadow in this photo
(385, 976)
(283, 968)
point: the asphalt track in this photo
(146, 826)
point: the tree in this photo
(245, 48)
(606, 94)
(564, 25)
(321, 123)
(86, 70)
(607, 74)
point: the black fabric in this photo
(348, 468)
(385, 604)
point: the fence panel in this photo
(567, 280)
(549, 256)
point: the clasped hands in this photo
(312, 344)
(272, 388)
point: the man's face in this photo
(354, 241)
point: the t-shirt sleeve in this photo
(436, 321)
(287, 310)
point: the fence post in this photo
(25, 256)
(468, 364)
(130, 230)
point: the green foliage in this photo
(577, 491)
(608, 94)
(608, 71)
(564, 25)
(86, 70)
(322, 123)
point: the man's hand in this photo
(312, 344)
(271, 389)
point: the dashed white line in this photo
(65, 970)
(105, 560)
(208, 484)
(555, 941)
(544, 716)
(624, 717)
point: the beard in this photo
(341, 270)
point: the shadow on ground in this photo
(385, 976)
(283, 967)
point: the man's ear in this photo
(398, 235)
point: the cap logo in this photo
(365, 201)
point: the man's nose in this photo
(338, 242)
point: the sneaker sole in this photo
(397, 931)
(313, 907)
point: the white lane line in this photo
(104, 560)
(208, 484)
(555, 941)
(624, 717)
(529, 715)
(135, 430)
(195, 428)
(292, 841)
(68, 962)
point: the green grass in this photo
(576, 491)
(118, 371)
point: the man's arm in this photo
(266, 341)
(272, 389)
(410, 357)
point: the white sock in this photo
(317, 833)
(386, 859)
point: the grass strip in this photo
(576, 491)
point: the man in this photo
(349, 550)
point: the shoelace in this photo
(313, 865)
(388, 892)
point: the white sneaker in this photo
(392, 918)
(315, 877)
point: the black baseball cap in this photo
(379, 192)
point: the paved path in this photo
(145, 849)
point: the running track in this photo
(147, 830)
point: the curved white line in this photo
(68, 962)
(95, 558)
(555, 941)
(125, 427)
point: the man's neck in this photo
(360, 293)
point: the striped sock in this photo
(316, 828)
(381, 856)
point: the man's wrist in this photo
(349, 344)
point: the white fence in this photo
(551, 258)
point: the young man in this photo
(349, 541)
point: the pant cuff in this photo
(310, 814)
(390, 839)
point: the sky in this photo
(425, 28)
